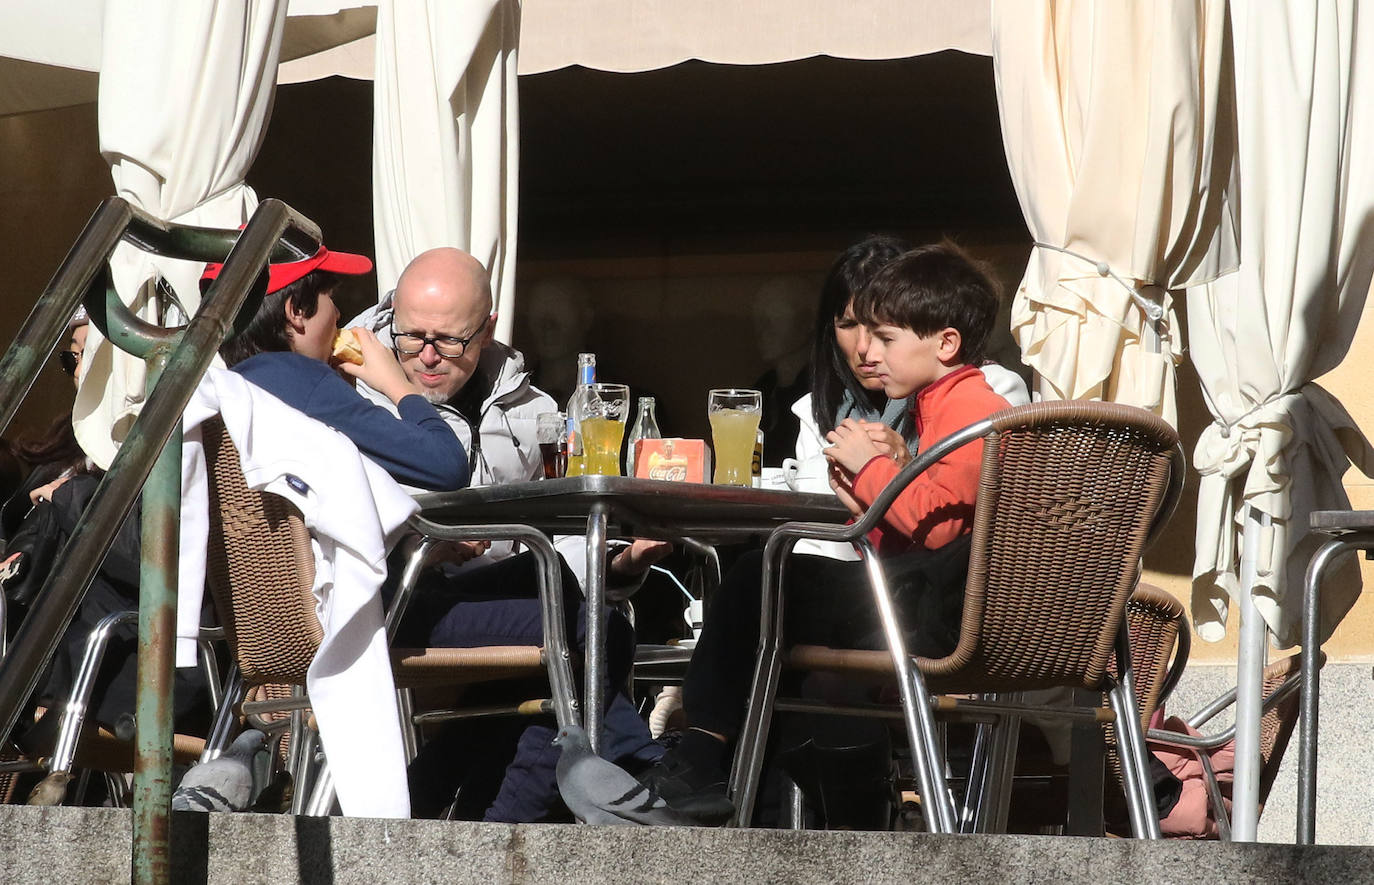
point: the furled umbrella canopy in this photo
(185, 93)
(1119, 135)
(446, 137)
(1280, 443)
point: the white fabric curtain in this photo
(1120, 139)
(1281, 443)
(185, 93)
(445, 137)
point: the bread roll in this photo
(346, 349)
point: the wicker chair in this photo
(1279, 686)
(260, 569)
(1070, 496)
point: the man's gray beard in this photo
(434, 397)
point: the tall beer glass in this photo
(734, 415)
(603, 434)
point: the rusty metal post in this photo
(44, 328)
(157, 604)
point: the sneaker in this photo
(693, 792)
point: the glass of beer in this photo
(551, 429)
(602, 435)
(734, 415)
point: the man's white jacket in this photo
(507, 448)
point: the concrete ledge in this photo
(72, 845)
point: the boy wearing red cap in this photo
(285, 348)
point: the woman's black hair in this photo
(831, 375)
(267, 330)
(55, 445)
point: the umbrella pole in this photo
(1250, 660)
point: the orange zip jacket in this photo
(937, 506)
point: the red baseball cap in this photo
(279, 276)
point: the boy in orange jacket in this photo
(928, 315)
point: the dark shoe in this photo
(849, 788)
(692, 791)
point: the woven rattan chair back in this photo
(1277, 724)
(1155, 620)
(1068, 495)
(259, 570)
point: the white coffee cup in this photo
(806, 476)
(693, 615)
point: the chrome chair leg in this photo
(226, 721)
(994, 801)
(117, 788)
(975, 788)
(1131, 741)
(306, 772)
(793, 805)
(410, 735)
(753, 736)
(74, 713)
(209, 668)
(936, 802)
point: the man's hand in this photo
(460, 551)
(445, 551)
(635, 559)
(850, 446)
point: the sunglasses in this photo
(69, 360)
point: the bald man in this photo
(439, 321)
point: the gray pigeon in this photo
(51, 790)
(599, 792)
(223, 784)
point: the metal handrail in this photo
(150, 454)
(80, 272)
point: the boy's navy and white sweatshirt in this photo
(418, 450)
(355, 513)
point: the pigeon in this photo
(51, 790)
(599, 792)
(223, 784)
(275, 798)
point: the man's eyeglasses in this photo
(410, 344)
(69, 359)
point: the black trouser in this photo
(828, 602)
(498, 605)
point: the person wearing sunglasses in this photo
(37, 520)
(52, 455)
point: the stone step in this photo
(77, 845)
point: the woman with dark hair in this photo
(843, 383)
(285, 349)
(51, 458)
